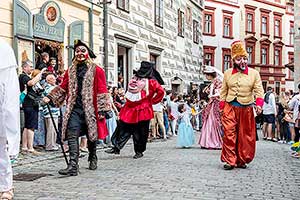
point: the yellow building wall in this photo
(71, 10)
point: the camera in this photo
(38, 88)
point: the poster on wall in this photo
(25, 52)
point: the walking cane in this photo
(56, 130)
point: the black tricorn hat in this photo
(147, 70)
(78, 43)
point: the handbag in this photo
(35, 99)
(288, 118)
(108, 114)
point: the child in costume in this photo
(185, 136)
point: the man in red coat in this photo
(84, 89)
(144, 90)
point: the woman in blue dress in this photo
(185, 138)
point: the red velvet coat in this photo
(95, 98)
(134, 112)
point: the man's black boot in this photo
(72, 169)
(138, 155)
(92, 155)
(113, 150)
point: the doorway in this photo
(54, 49)
(124, 71)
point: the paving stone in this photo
(165, 172)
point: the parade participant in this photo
(211, 132)
(240, 88)
(144, 90)
(84, 88)
(185, 138)
(9, 118)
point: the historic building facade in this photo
(267, 29)
(33, 27)
(221, 26)
(297, 44)
(166, 32)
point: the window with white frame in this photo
(264, 56)
(227, 22)
(227, 59)
(208, 59)
(277, 57)
(277, 28)
(264, 25)
(208, 23)
(250, 22)
(250, 54)
(159, 13)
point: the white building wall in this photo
(218, 41)
(179, 57)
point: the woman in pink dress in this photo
(211, 133)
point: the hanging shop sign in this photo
(48, 24)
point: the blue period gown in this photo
(185, 136)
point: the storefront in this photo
(53, 30)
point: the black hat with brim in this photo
(78, 43)
(147, 70)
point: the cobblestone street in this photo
(166, 172)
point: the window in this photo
(208, 24)
(208, 59)
(196, 32)
(250, 54)
(264, 55)
(154, 59)
(276, 57)
(250, 18)
(292, 33)
(209, 55)
(291, 61)
(277, 88)
(277, 28)
(265, 21)
(159, 13)
(209, 21)
(264, 84)
(226, 64)
(189, 16)
(180, 23)
(227, 27)
(250, 23)
(264, 25)
(123, 5)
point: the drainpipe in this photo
(105, 35)
(91, 28)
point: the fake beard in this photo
(241, 66)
